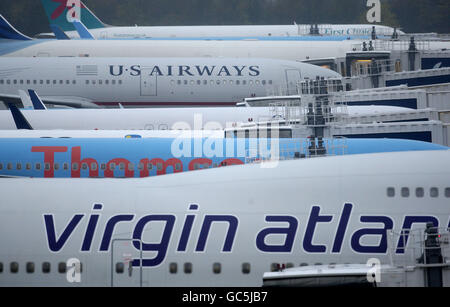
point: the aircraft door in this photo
(293, 78)
(148, 83)
(123, 273)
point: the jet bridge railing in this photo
(428, 247)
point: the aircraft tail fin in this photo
(36, 101)
(19, 119)
(82, 30)
(9, 32)
(26, 101)
(59, 33)
(62, 13)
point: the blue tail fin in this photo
(82, 30)
(9, 32)
(60, 11)
(37, 102)
(19, 119)
(59, 34)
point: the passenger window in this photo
(391, 192)
(9, 166)
(1, 267)
(217, 268)
(19, 166)
(121, 166)
(75, 166)
(113, 82)
(246, 268)
(14, 267)
(38, 166)
(107, 82)
(178, 166)
(54, 82)
(66, 166)
(93, 166)
(188, 268)
(62, 267)
(87, 82)
(149, 166)
(447, 192)
(405, 192)
(131, 167)
(103, 166)
(1, 166)
(420, 192)
(28, 166)
(120, 267)
(434, 192)
(100, 82)
(61, 82)
(159, 166)
(120, 82)
(46, 267)
(112, 166)
(140, 166)
(173, 268)
(274, 267)
(30, 267)
(84, 166)
(56, 166)
(47, 166)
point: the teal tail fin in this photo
(60, 11)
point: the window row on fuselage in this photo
(123, 166)
(419, 192)
(221, 82)
(93, 81)
(59, 82)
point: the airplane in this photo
(62, 13)
(142, 157)
(149, 119)
(94, 82)
(221, 227)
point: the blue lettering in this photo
(290, 233)
(90, 231)
(55, 245)
(225, 70)
(239, 69)
(255, 70)
(315, 218)
(342, 228)
(206, 69)
(161, 247)
(185, 234)
(184, 69)
(204, 233)
(381, 248)
(111, 70)
(106, 241)
(136, 69)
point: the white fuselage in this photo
(219, 227)
(235, 31)
(162, 118)
(154, 81)
(283, 50)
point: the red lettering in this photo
(198, 161)
(109, 173)
(161, 166)
(76, 157)
(49, 157)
